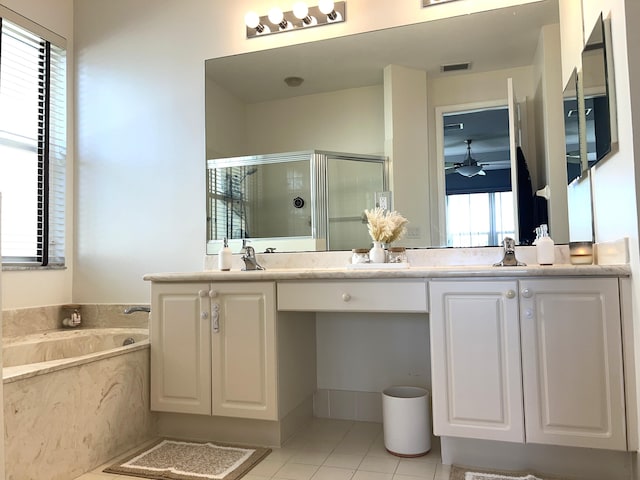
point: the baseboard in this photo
(220, 429)
(296, 420)
(348, 405)
(572, 462)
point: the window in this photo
(32, 146)
(479, 219)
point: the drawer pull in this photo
(346, 297)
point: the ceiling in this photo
(489, 131)
(358, 60)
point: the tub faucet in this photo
(73, 320)
(509, 259)
(137, 308)
(250, 260)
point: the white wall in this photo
(407, 146)
(550, 131)
(225, 130)
(27, 288)
(349, 121)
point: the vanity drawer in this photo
(397, 295)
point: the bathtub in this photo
(74, 399)
(41, 353)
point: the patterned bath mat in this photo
(464, 473)
(178, 460)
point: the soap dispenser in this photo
(545, 247)
(224, 256)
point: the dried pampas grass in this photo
(385, 226)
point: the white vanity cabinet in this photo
(475, 360)
(213, 349)
(531, 360)
(572, 362)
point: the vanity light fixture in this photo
(301, 16)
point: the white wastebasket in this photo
(406, 421)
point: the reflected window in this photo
(479, 219)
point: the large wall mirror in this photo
(331, 95)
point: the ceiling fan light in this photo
(469, 170)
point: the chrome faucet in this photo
(509, 259)
(72, 316)
(249, 259)
(137, 308)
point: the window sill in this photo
(24, 268)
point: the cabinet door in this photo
(572, 362)
(244, 350)
(475, 360)
(180, 348)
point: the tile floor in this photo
(333, 450)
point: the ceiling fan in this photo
(469, 166)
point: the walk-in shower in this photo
(311, 200)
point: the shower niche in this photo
(296, 201)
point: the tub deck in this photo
(38, 354)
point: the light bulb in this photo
(300, 10)
(326, 6)
(252, 19)
(276, 16)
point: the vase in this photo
(377, 253)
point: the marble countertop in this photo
(465, 271)
(423, 263)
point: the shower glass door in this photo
(352, 185)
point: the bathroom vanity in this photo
(531, 355)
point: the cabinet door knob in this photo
(510, 294)
(202, 293)
(526, 293)
(346, 297)
(204, 315)
(528, 313)
(213, 293)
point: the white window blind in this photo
(32, 147)
(226, 202)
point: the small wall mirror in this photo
(598, 95)
(572, 128)
(578, 174)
